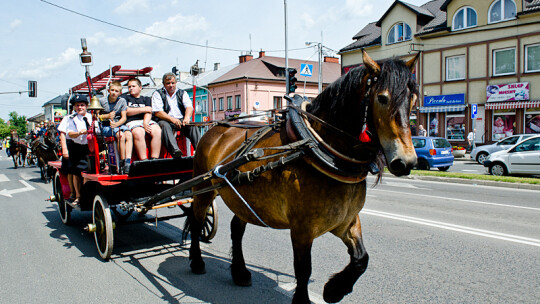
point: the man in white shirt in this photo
(173, 108)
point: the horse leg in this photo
(302, 266)
(196, 218)
(240, 274)
(342, 283)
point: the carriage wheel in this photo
(210, 223)
(63, 208)
(103, 227)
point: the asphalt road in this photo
(429, 242)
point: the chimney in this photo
(331, 59)
(216, 66)
(261, 53)
(245, 58)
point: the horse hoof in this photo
(334, 293)
(241, 276)
(197, 267)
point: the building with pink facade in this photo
(259, 84)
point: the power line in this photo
(156, 36)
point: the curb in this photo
(475, 182)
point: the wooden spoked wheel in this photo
(103, 227)
(210, 224)
(63, 208)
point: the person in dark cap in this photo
(76, 128)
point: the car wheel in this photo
(423, 164)
(444, 168)
(481, 157)
(497, 169)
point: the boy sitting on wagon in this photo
(114, 116)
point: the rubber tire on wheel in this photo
(103, 234)
(63, 208)
(498, 169)
(210, 223)
(423, 164)
(444, 168)
(481, 157)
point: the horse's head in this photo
(392, 94)
(50, 135)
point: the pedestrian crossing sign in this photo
(306, 69)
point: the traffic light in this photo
(175, 71)
(291, 80)
(32, 88)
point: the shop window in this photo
(504, 124)
(413, 123)
(455, 67)
(278, 102)
(237, 101)
(464, 18)
(399, 32)
(221, 103)
(229, 102)
(213, 104)
(532, 58)
(502, 10)
(532, 121)
(504, 62)
(433, 124)
(455, 126)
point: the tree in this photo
(4, 129)
(17, 122)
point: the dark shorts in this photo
(78, 158)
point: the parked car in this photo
(522, 158)
(482, 152)
(433, 152)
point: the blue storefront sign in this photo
(444, 100)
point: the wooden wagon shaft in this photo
(250, 156)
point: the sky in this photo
(40, 39)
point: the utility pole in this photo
(286, 49)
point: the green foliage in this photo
(17, 122)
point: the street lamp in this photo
(319, 51)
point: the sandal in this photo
(75, 202)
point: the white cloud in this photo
(15, 23)
(42, 68)
(358, 8)
(307, 19)
(130, 6)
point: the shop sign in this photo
(508, 92)
(232, 114)
(444, 100)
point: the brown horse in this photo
(300, 195)
(45, 150)
(17, 149)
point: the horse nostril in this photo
(397, 166)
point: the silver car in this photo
(523, 158)
(482, 152)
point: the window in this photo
(221, 103)
(504, 62)
(213, 104)
(464, 18)
(237, 101)
(455, 126)
(532, 121)
(433, 126)
(532, 58)
(455, 67)
(277, 102)
(229, 102)
(502, 10)
(399, 32)
(504, 122)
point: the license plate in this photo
(445, 152)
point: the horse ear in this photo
(370, 64)
(411, 64)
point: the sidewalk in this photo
(466, 157)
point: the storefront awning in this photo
(454, 108)
(513, 105)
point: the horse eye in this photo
(382, 98)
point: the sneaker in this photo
(177, 154)
(126, 168)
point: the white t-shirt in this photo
(75, 124)
(470, 136)
(157, 103)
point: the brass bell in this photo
(95, 105)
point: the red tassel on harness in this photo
(364, 136)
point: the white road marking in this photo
(3, 178)
(458, 228)
(8, 193)
(469, 170)
(402, 185)
(288, 290)
(27, 175)
(461, 200)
